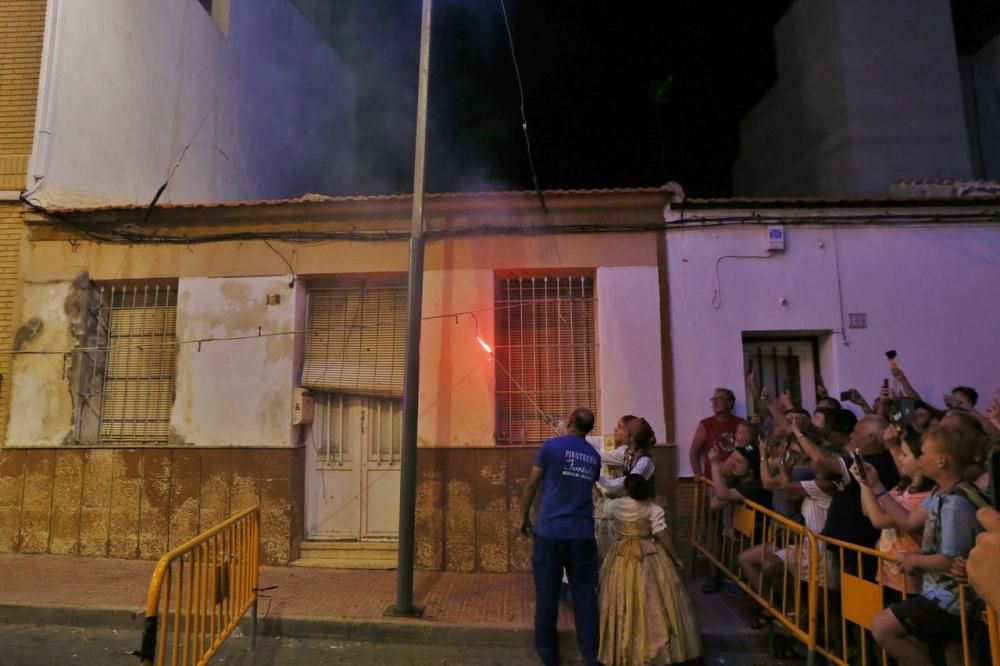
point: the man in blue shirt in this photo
(567, 468)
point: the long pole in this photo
(411, 378)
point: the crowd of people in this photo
(906, 478)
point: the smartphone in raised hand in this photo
(858, 461)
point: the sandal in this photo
(787, 653)
(761, 622)
(711, 587)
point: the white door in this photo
(783, 365)
(352, 462)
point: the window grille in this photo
(546, 353)
(340, 420)
(126, 373)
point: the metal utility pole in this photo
(411, 378)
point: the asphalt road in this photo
(30, 644)
(22, 644)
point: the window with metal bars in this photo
(546, 355)
(125, 368)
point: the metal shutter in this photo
(356, 341)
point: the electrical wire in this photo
(126, 234)
(183, 152)
(840, 288)
(717, 295)
(524, 118)
(287, 263)
(261, 334)
(152, 347)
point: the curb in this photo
(74, 616)
(366, 630)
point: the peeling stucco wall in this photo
(234, 392)
(41, 412)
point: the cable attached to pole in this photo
(524, 118)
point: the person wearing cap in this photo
(734, 479)
(738, 478)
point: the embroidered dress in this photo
(614, 486)
(646, 614)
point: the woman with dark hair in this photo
(604, 526)
(634, 457)
(913, 488)
(646, 614)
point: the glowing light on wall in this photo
(482, 343)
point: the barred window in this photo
(546, 353)
(125, 373)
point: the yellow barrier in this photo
(862, 598)
(994, 629)
(844, 637)
(792, 600)
(200, 591)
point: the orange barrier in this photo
(840, 606)
(199, 592)
(994, 631)
(792, 600)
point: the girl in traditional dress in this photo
(646, 613)
(604, 525)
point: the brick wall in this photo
(22, 24)
(11, 228)
(683, 521)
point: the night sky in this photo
(623, 94)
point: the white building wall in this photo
(628, 336)
(867, 94)
(925, 290)
(266, 110)
(234, 392)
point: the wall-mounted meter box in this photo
(302, 406)
(776, 238)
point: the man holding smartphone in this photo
(846, 520)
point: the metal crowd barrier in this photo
(994, 632)
(837, 621)
(199, 592)
(792, 601)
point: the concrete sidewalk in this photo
(347, 604)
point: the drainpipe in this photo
(41, 146)
(411, 378)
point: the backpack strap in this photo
(971, 493)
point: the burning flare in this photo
(482, 343)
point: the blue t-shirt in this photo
(570, 467)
